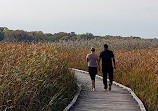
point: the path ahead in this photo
(118, 99)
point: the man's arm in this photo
(98, 61)
(113, 59)
(100, 57)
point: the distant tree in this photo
(20, 35)
(73, 34)
(77, 37)
(65, 38)
(38, 36)
(17, 36)
(60, 35)
(8, 37)
(1, 33)
(87, 36)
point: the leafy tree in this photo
(17, 36)
(72, 34)
(87, 36)
(2, 32)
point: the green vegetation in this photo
(70, 39)
(38, 36)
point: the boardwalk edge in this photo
(74, 99)
(140, 103)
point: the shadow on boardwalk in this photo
(118, 99)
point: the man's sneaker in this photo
(105, 88)
(109, 87)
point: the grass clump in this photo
(34, 77)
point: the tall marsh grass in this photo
(34, 77)
(137, 69)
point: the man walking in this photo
(107, 58)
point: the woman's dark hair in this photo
(92, 49)
(105, 46)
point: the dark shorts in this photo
(92, 71)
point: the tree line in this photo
(38, 36)
(7, 35)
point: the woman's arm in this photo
(87, 57)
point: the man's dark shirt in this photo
(106, 56)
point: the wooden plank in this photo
(118, 99)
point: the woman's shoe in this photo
(93, 89)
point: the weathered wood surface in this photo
(118, 99)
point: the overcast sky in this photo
(99, 17)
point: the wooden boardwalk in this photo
(118, 99)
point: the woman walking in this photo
(93, 63)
